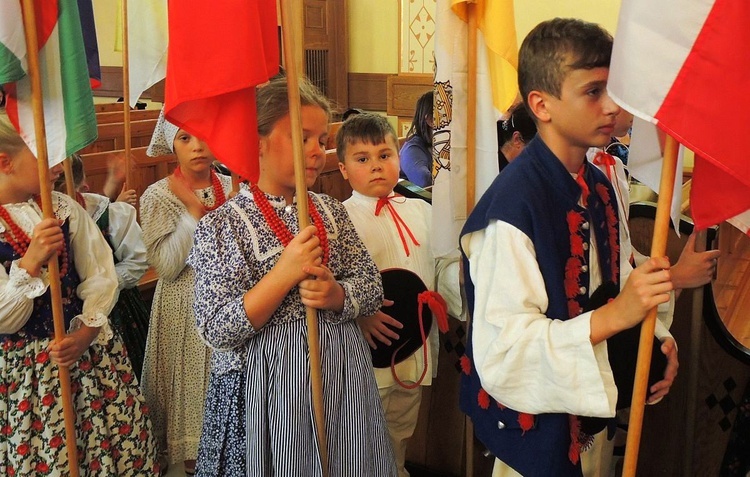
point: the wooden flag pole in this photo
(471, 108)
(471, 170)
(70, 186)
(126, 93)
(291, 53)
(658, 249)
(32, 50)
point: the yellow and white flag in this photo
(148, 37)
(497, 87)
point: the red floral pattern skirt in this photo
(114, 434)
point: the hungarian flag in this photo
(212, 73)
(69, 116)
(497, 59)
(148, 37)
(675, 63)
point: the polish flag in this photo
(212, 72)
(675, 63)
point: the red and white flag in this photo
(212, 73)
(675, 63)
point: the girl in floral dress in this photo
(113, 429)
(255, 273)
(176, 365)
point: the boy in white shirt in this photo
(396, 231)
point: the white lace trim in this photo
(96, 205)
(99, 320)
(27, 214)
(31, 287)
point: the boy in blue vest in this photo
(541, 240)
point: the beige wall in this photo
(374, 26)
(373, 36)
(105, 16)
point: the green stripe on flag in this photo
(10, 66)
(78, 101)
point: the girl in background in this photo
(176, 366)
(513, 133)
(117, 222)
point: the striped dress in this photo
(234, 248)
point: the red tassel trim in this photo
(574, 451)
(438, 307)
(483, 399)
(465, 364)
(526, 421)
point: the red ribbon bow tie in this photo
(386, 202)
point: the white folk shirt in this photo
(381, 238)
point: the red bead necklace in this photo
(19, 240)
(280, 229)
(219, 195)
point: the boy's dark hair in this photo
(555, 47)
(366, 127)
(419, 124)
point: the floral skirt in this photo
(222, 449)
(113, 435)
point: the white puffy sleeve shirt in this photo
(93, 262)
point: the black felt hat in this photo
(404, 288)
(622, 350)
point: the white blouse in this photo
(93, 262)
(126, 236)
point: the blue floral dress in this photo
(234, 248)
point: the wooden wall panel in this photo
(112, 85)
(368, 91)
(404, 91)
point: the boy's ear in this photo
(537, 102)
(342, 168)
(517, 139)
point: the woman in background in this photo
(416, 153)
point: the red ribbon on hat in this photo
(386, 202)
(439, 309)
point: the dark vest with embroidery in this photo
(538, 196)
(40, 324)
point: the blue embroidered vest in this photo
(537, 195)
(40, 324)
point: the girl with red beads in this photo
(176, 364)
(255, 273)
(113, 430)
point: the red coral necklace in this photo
(19, 240)
(280, 229)
(215, 184)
